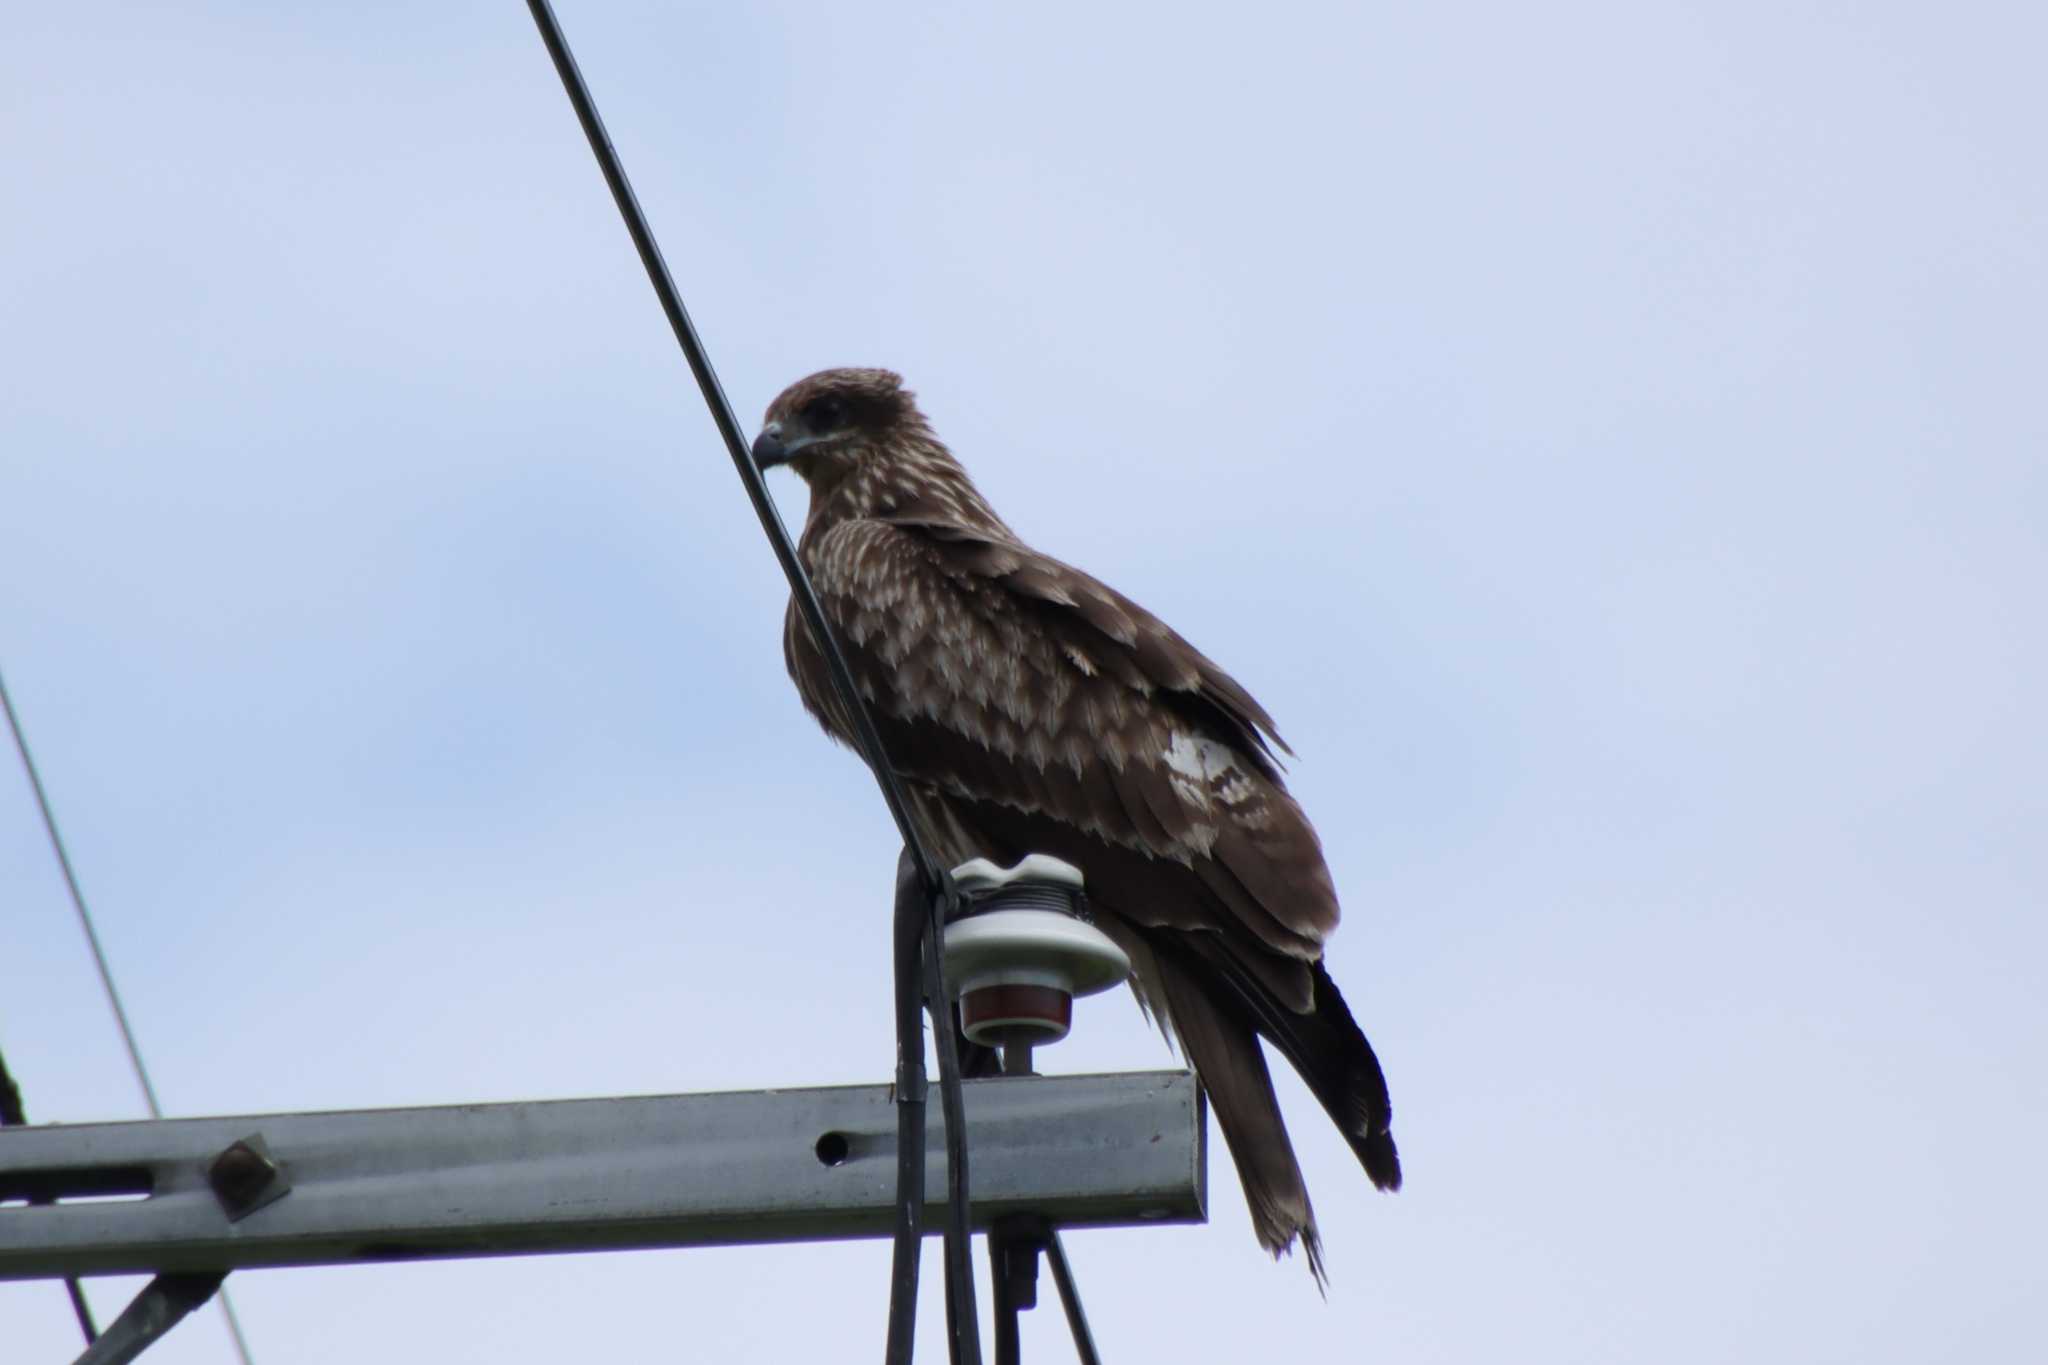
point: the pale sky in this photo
(1609, 439)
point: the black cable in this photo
(930, 876)
(13, 1115)
(80, 1309)
(1070, 1299)
(912, 916)
(963, 1328)
(870, 740)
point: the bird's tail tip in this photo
(1381, 1159)
(1281, 1235)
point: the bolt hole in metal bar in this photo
(833, 1149)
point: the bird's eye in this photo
(824, 414)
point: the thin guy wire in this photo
(92, 937)
(99, 960)
(1070, 1300)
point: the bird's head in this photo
(827, 424)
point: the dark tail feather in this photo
(1330, 1051)
(1225, 1053)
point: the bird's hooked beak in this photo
(773, 446)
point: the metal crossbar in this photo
(721, 1169)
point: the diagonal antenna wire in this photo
(99, 960)
(671, 300)
(92, 938)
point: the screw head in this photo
(242, 1175)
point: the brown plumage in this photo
(1029, 708)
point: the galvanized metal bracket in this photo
(208, 1194)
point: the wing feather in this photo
(1004, 676)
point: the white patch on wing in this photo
(1211, 781)
(1200, 763)
(1234, 788)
